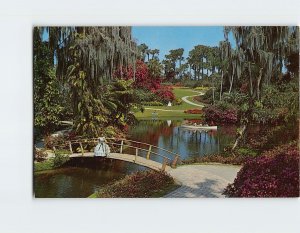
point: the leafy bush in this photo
(246, 152)
(45, 165)
(165, 93)
(193, 111)
(139, 184)
(220, 113)
(152, 103)
(177, 101)
(275, 174)
(60, 158)
(145, 95)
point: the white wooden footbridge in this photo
(132, 151)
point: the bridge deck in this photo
(128, 158)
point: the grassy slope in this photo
(179, 93)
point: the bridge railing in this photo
(121, 145)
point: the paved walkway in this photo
(202, 180)
(185, 99)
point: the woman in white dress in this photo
(102, 149)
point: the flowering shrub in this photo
(139, 184)
(193, 111)
(145, 80)
(274, 174)
(217, 114)
(165, 93)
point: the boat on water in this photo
(198, 127)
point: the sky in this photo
(167, 38)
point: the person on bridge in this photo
(102, 149)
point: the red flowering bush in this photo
(193, 111)
(274, 174)
(144, 80)
(221, 115)
(165, 93)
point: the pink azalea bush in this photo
(220, 114)
(274, 174)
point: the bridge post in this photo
(149, 151)
(163, 168)
(175, 161)
(121, 149)
(70, 145)
(82, 152)
(136, 154)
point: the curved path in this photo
(202, 180)
(185, 99)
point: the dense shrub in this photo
(193, 111)
(220, 113)
(139, 184)
(165, 93)
(177, 101)
(275, 174)
(60, 158)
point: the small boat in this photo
(198, 127)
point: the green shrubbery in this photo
(61, 157)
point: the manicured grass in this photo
(166, 115)
(179, 109)
(45, 165)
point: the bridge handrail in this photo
(172, 162)
(118, 144)
(129, 140)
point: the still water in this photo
(81, 177)
(186, 143)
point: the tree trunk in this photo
(213, 93)
(258, 83)
(221, 89)
(240, 136)
(231, 82)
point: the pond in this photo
(81, 177)
(171, 136)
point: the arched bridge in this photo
(132, 151)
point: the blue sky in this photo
(167, 38)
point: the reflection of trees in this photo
(182, 141)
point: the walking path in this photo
(185, 99)
(165, 110)
(202, 180)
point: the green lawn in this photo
(179, 109)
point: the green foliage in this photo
(46, 95)
(60, 158)
(45, 165)
(244, 151)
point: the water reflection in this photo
(81, 177)
(169, 135)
